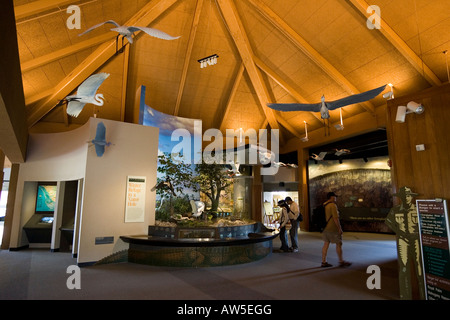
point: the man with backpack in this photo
(294, 214)
(332, 233)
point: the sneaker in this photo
(345, 264)
(326, 265)
(295, 250)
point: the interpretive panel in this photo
(135, 202)
(434, 232)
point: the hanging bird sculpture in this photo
(325, 106)
(128, 31)
(86, 93)
(100, 140)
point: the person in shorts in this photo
(332, 232)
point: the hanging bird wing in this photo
(295, 106)
(153, 32)
(90, 86)
(356, 98)
(74, 108)
(99, 25)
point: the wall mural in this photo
(364, 190)
(179, 152)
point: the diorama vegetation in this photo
(211, 181)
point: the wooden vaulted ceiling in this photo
(269, 51)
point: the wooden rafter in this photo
(198, 11)
(239, 36)
(284, 85)
(36, 7)
(400, 45)
(307, 49)
(59, 54)
(100, 56)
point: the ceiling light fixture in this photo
(390, 94)
(211, 60)
(411, 107)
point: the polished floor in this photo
(36, 274)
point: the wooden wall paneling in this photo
(426, 172)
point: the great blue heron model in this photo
(86, 93)
(100, 140)
(325, 106)
(128, 31)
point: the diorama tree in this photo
(177, 177)
(212, 180)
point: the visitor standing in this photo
(293, 213)
(333, 231)
(284, 224)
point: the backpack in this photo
(319, 217)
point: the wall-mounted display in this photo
(45, 198)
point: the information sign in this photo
(434, 232)
(135, 201)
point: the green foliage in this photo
(212, 180)
(177, 172)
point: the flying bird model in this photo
(325, 106)
(341, 152)
(319, 157)
(100, 139)
(128, 31)
(86, 93)
(165, 185)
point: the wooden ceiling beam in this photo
(284, 85)
(93, 62)
(59, 54)
(187, 59)
(308, 50)
(242, 43)
(400, 45)
(36, 7)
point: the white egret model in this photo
(128, 31)
(86, 93)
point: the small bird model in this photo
(319, 157)
(165, 185)
(233, 169)
(100, 140)
(341, 152)
(197, 208)
(86, 93)
(128, 31)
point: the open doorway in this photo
(4, 199)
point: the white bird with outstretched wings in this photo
(128, 31)
(86, 93)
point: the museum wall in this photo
(67, 156)
(426, 172)
(134, 153)
(50, 157)
(363, 188)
